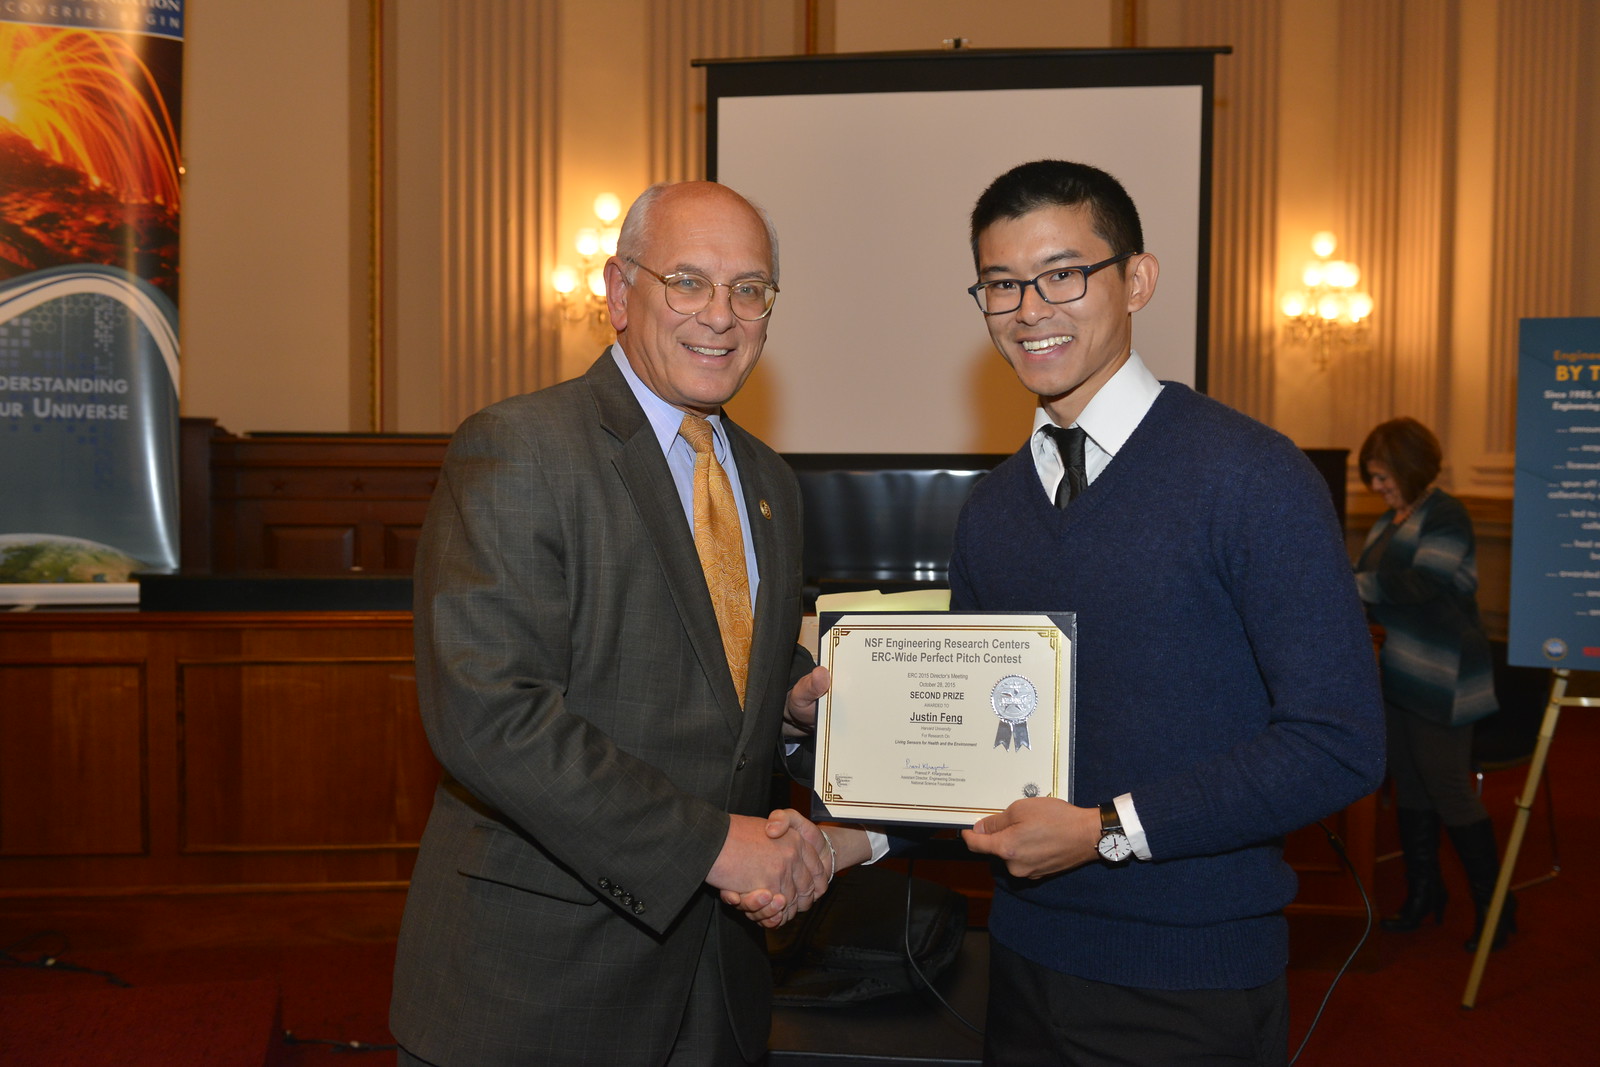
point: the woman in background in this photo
(1418, 576)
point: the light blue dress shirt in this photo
(665, 421)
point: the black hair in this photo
(1058, 183)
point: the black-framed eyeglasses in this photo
(1059, 285)
(688, 293)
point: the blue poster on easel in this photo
(1555, 534)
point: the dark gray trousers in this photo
(1040, 1017)
(1432, 767)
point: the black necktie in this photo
(1069, 442)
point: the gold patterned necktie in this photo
(720, 543)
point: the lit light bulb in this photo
(1330, 307)
(1294, 304)
(1360, 306)
(607, 207)
(597, 281)
(564, 280)
(588, 242)
(1323, 243)
(1341, 275)
(608, 240)
(1311, 277)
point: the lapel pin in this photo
(766, 510)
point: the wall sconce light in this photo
(1329, 311)
(581, 290)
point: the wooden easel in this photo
(1502, 886)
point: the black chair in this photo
(1506, 740)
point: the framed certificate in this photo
(942, 718)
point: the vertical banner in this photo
(90, 99)
(1555, 529)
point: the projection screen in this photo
(869, 166)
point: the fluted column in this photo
(1244, 185)
(499, 141)
(679, 33)
(1366, 135)
(1535, 189)
(1394, 119)
(1414, 272)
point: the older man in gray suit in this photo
(607, 743)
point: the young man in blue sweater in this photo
(1226, 689)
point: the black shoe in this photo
(1425, 892)
(1417, 905)
(1481, 858)
(1502, 931)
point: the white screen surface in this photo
(874, 346)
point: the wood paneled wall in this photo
(304, 504)
(204, 755)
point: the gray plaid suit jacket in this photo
(573, 686)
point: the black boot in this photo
(1481, 858)
(1419, 845)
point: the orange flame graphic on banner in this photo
(88, 101)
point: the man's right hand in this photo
(1037, 836)
(790, 866)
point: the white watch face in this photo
(1115, 847)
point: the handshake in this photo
(774, 869)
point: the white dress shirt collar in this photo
(1108, 420)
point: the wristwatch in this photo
(1114, 846)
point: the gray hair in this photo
(636, 228)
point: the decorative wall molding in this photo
(1498, 471)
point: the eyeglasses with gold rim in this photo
(689, 293)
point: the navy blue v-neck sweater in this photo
(1225, 678)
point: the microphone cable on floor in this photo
(52, 961)
(1366, 901)
(911, 959)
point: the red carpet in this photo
(225, 1024)
(1538, 1001)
